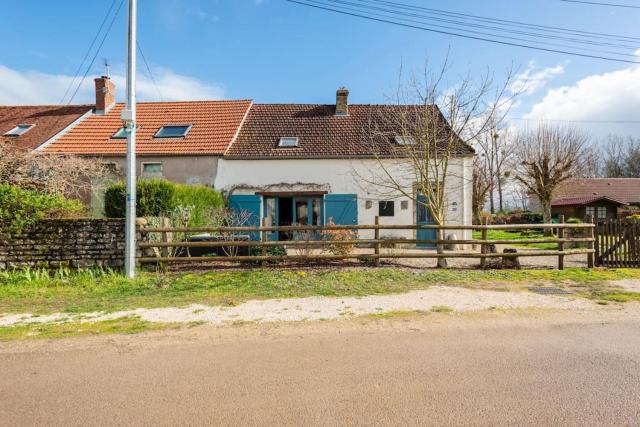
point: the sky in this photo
(278, 51)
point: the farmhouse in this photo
(312, 164)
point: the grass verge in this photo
(125, 325)
(85, 292)
(518, 235)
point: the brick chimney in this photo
(342, 102)
(105, 94)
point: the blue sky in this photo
(276, 51)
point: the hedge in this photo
(155, 197)
(21, 208)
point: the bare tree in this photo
(50, 173)
(431, 123)
(493, 148)
(548, 156)
(622, 157)
(482, 180)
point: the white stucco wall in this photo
(348, 177)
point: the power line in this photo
(367, 4)
(97, 52)
(574, 121)
(512, 23)
(388, 20)
(86, 55)
(153, 80)
(596, 3)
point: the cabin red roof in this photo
(580, 201)
(48, 121)
(625, 190)
(214, 125)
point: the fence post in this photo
(483, 245)
(164, 222)
(561, 243)
(376, 236)
(591, 245)
(264, 236)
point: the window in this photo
(404, 205)
(599, 212)
(121, 134)
(591, 211)
(19, 130)
(404, 140)
(386, 208)
(177, 131)
(152, 168)
(288, 142)
(602, 212)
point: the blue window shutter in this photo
(343, 208)
(249, 203)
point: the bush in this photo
(574, 221)
(20, 208)
(202, 200)
(517, 217)
(634, 217)
(155, 197)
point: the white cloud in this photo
(34, 87)
(534, 78)
(613, 96)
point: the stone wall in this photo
(69, 243)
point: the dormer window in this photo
(288, 142)
(173, 131)
(404, 140)
(121, 134)
(19, 130)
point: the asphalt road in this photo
(490, 369)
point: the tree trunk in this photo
(491, 202)
(500, 204)
(442, 262)
(546, 216)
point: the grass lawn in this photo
(517, 235)
(23, 292)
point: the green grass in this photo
(619, 296)
(125, 325)
(37, 292)
(517, 235)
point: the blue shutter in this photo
(248, 203)
(343, 208)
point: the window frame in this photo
(295, 138)
(14, 131)
(404, 141)
(600, 209)
(386, 204)
(115, 135)
(145, 164)
(184, 135)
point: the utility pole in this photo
(128, 115)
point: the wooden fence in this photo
(617, 243)
(156, 250)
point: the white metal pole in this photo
(129, 117)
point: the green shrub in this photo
(21, 208)
(202, 199)
(574, 221)
(155, 197)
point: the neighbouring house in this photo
(308, 164)
(27, 127)
(177, 141)
(601, 197)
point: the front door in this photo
(285, 211)
(423, 217)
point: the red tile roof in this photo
(49, 120)
(214, 125)
(322, 134)
(579, 201)
(626, 190)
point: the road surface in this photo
(524, 368)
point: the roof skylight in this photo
(173, 131)
(19, 130)
(120, 134)
(288, 142)
(404, 140)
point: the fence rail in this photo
(233, 238)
